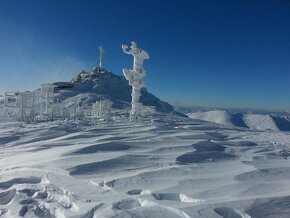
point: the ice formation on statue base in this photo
(135, 78)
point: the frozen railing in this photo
(27, 106)
(102, 108)
(2, 106)
(19, 106)
(32, 106)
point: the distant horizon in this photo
(231, 54)
(228, 108)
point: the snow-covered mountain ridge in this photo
(251, 121)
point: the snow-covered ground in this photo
(167, 167)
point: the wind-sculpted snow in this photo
(168, 166)
(270, 207)
(44, 200)
(202, 157)
(6, 139)
(246, 143)
(269, 175)
(7, 196)
(111, 146)
(205, 151)
(226, 212)
(126, 204)
(206, 146)
(126, 163)
(175, 197)
(29, 180)
(205, 136)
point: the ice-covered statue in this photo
(135, 78)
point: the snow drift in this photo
(168, 166)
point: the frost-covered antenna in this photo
(135, 78)
(102, 53)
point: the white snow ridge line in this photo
(250, 121)
(146, 203)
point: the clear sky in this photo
(225, 53)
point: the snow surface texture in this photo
(251, 121)
(168, 166)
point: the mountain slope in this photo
(89, 87)
(221, 117)
(260, 122)
(251, 121)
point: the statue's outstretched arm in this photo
(125, 47)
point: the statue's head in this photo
(140, 53)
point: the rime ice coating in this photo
(135, 78)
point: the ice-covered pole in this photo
(102, 53)
(135, 78)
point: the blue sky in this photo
(226, 53)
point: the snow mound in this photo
(260, 122)
(221, 117)
(230, 213)
(99, 84)
(43, 200)
(175, 197)
(251, 121)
